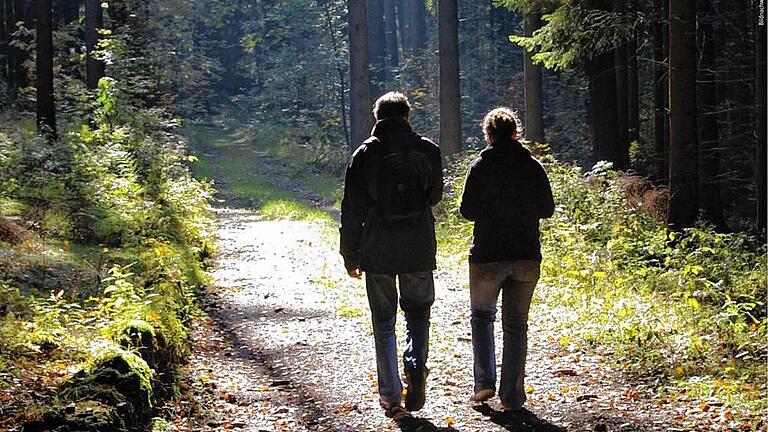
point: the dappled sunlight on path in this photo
(302, 348)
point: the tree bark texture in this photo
(534, 110)
(359, 79)
(390, 34)
(377, 46)
(660, 92)
(603, 108)
(683, 145)
(46, 107)
(709, 136)
(448, 40)
(94, 20)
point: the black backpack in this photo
(400, 179)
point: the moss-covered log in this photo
(114, 394)
(153, 347)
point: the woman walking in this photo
(506, 193)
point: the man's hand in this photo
(356, 273)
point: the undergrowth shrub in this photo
(115, 228)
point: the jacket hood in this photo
(506, 149)
(390, 126)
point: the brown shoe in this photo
(415, 395)
(483, 395)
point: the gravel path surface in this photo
(288, 346)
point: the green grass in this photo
(257, 165)
(292, 210)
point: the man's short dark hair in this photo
(391, 105)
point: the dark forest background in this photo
(602, 93)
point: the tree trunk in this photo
(4, 39)
(709, 136)
(65, 12)
(414, 26)
(94, 20)
(390, 35)
(10, 61)
(448, 40)
(534, 110)
(622, 105)
(46, 108)
(420, 23)
(760, 125)
(633, 89)
(400, 18)
(359, 78)
(736, 44)
(19, 56)
(377, 46)
(683, 146)
(340, 71)
(660, 91)
(604, 116)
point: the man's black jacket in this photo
(506, 193)
(367, 240)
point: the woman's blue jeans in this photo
(417, 293)
(516, 280)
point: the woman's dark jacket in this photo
(506, 193)
(369, 240)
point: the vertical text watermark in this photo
(761, 13)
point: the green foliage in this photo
(118, 226)
(688, 306)
(530, 6)
(574, 34)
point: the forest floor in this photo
(285, 343)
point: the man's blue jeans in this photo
(417, 293)
(517, 280)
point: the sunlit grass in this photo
(254, 166)
(292, 210)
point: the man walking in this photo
(388, 232)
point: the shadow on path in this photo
(518, 421)
(418, 424)
(312, 413)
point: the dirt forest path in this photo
(287, 346)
